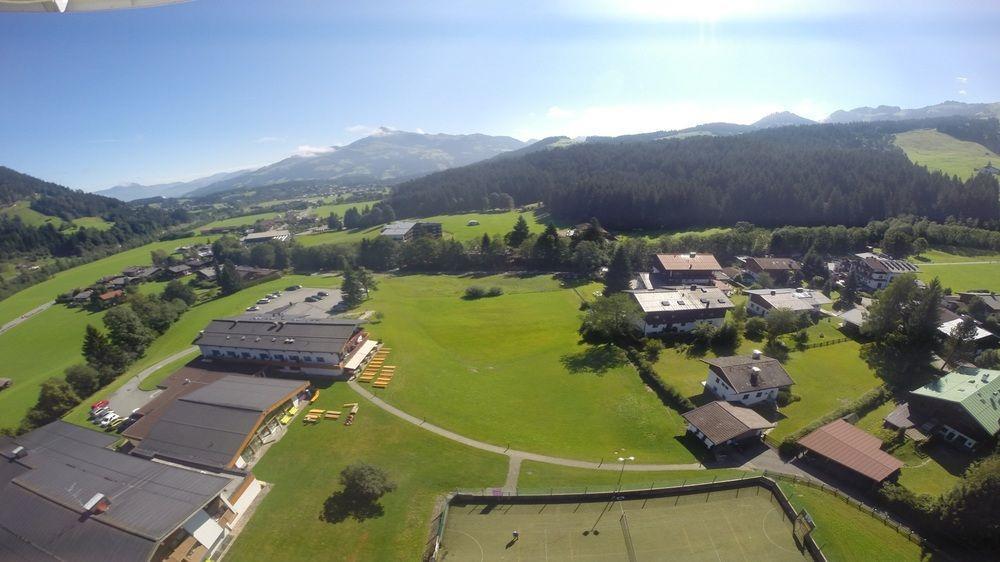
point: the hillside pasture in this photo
(945, 153)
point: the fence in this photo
(825, 343)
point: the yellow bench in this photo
(331, 415)
(316, 411)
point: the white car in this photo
(253, 308)
(108, 418)
(99, 413)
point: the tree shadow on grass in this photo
(339, 507)
(595, 359)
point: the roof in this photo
(210, 426)
(300, 335)
(976, 390)
(398, 228)
(267, 235)
(775, 264)
(884, 265)
(721, 421)
(42, 497)
(946, 328)
(689, 261)
(355, 361)
(992, 300)
(855, 316)
(682, 299)
(852, 448)
(111, 295)
(797, 299)
(900, 417)
(180, 268)
(737, 371)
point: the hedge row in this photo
(667, 392)
(870, 400)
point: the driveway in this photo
(129, 396)
(26, 316)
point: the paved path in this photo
(25, 316)
(129, 396)
(523, 455)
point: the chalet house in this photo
(111, 297)
(990, 299)
(206, 274)
(180, 270)
(720, 423)
(779, 269)
(248, 273)
(65, 495)
(963, 407)
(140, 273)
(989, 169)
(83, 297)
(983, 339)
(404, 231)
(846, 446)
(685, 269)
(305, 346)
(267, 236)
(746, 379)
(681, 310)
(876, 272)
(762, 301)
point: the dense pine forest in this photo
(809, 175)
(19, 238)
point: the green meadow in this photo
(945, 153)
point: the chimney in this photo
(19, 452)
(692, 254)
(773, 292)
(97, 504)
(754, 376)
(756, 354)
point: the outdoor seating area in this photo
(316, 414)
(377, 372)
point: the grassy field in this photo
(844, 533)
(955, 255)
(743, 524)
(29, 216)
(963, 276)
(509, 370)
(321, 211)
(303, 468)
(945, 153)
(92, 222)
(825, 377)
(81, 276)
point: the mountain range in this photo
(390, 156)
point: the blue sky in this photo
(91, 100)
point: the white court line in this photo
(482, 553)
(763, 529)
(737, 538)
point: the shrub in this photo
(475, 292)
(755, 328)
(494, 292)
(785, 397)
(652, 348)
(801, 338)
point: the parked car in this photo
(5, 383)
(253, 308)
(98, 404)
(311, 299)
(99, 413)
(318, 296)
(118, 422)
(110, 417)
(264, 301)
(322, 294)
(129, 421)
(293, 287)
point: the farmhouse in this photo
(989, 169)
(64, 495)
(720, 423)
(215, 420)
(308, 346)
(266, 236)
(779, 269)
(876, 272)
(746, 379)
(991, 300)
(404, 231)
(685, 269)
(963, 406)
(854, 449)
(681, 310)
(179, 270)
(763, 301)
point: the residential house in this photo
(963, 406)
(206, 274)
(682, 309)
(746, 379)
(141, 273)
(983, 338)
(876, 272)
(65, 495)
(179, 270)
(111, 297)
(990, 299)
(306, 346)
(848, 447)
(684, 269)
(404, 231)
(762, 301)
(720, 423)
(267, 236)
(83, 297)
(989, 169)
(248, 273)
(782, 270)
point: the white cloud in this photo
(264, 140)
(961, 79)
(556, 112)
(360, 129)
(309, 150)
(962, 92)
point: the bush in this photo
(801, 338)
(474, 292)
(652, 348)
(494, 292)
(755, 328)
(785, 397)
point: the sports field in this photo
(745, 524)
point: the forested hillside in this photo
(824, 174)
(18, 238)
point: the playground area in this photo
(745, 523)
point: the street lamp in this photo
(621, 473)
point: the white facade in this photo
(720, 388)
(649, 329)
(315, 363)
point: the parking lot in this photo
(293, 304)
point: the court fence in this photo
(608, 493)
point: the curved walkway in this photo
(512, 453)
(13, 323)
(129, 396)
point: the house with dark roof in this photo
(720, 423)
(963, 406)
(404, 231)
(799, 300)
(219, 426)
(681, 310)
(990, 299)
(64, 495)
(302, 345)
(685, 269)
(782, 270)
(846, 446)
(989, 169)
(179, 270)
(746, 379)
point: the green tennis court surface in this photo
(720, 526)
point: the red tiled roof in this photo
(111, 295)
(684, 262)
(853, 448)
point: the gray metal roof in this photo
(316, 336)
(398, 228)
(42, 497)
(246, 393)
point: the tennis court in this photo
(746, 524)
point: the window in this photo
(320, 360)
(231, 353)
(969, 443)
(745, 396)
(216, 353)
(265, 356)
(246, 355)
(758, 394)
(293, 357)
(308, 359)
(279, 357)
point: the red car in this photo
(97, 405)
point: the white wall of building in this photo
(649, 329)
(719, 388)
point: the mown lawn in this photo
(536, 477)
(304, 470)
(953, 254)
(843, 532)
(944, 153)
(963, 276)
(321, 211)
(510, 371)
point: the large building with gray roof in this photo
(681, 310)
